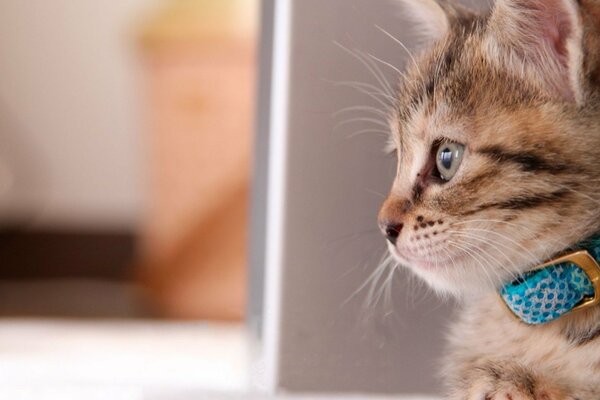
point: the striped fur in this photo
(520, 88)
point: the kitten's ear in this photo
(430, 19)
(542, 39)
(433, 19)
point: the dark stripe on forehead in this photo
(438, 65)
(519, 203)
(527, 161)
(437, 70)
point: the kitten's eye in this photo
(448, 159)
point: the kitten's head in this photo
(497, 132)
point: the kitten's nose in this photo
(391, 217)
(392, 232)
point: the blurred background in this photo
(126, 131)
(188, 196)
(125, 138)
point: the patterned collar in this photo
(567, 283)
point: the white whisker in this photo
(360, 119)
(369, 66)
(368, 109)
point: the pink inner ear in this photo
(546, 27)
(559, 27)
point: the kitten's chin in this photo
(451, 276)
(451, 283)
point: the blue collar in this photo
(567, 283)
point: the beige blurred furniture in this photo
(199, 72)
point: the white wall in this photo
(326, 185)
(68, 111)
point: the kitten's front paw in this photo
(506, 383)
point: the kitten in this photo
(497, 132)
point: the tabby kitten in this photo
(497, 132)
